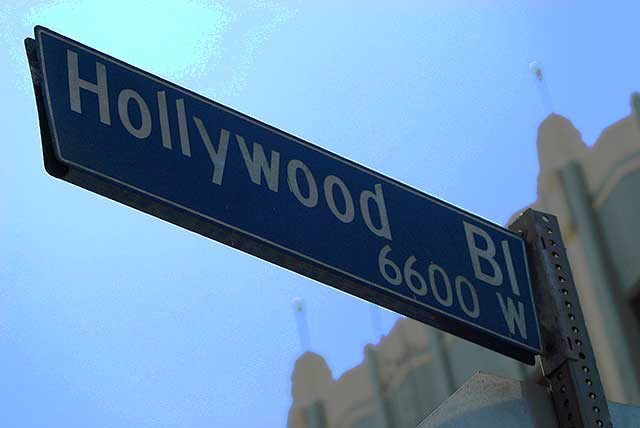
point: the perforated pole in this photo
(568, 361)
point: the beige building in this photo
(595, 192)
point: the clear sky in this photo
(112, 318)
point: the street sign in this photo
(138, 139)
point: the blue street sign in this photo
(146, 142)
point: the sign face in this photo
(146, 142)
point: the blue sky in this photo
(112, 318)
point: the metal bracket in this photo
(568, 361)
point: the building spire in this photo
(559, 142)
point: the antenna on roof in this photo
(301, 322)
(543, 89)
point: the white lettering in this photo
(182, 128)
(349, 212)
(218, 157)
(445, 301)
(292, 178)
(259, 163)
(510, 269)
(513, 317)
(123, 111)
(474, 312)
(409, 273)
(384, 230)
(164, 120)
(384, 262)
(487, 254)
(99, 88)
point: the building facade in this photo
(595, 193)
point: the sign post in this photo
(135, 138)
(568, 361)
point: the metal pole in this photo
(568, 361)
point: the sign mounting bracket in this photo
(568, 361)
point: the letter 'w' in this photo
(259, 163)
(512, 316)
